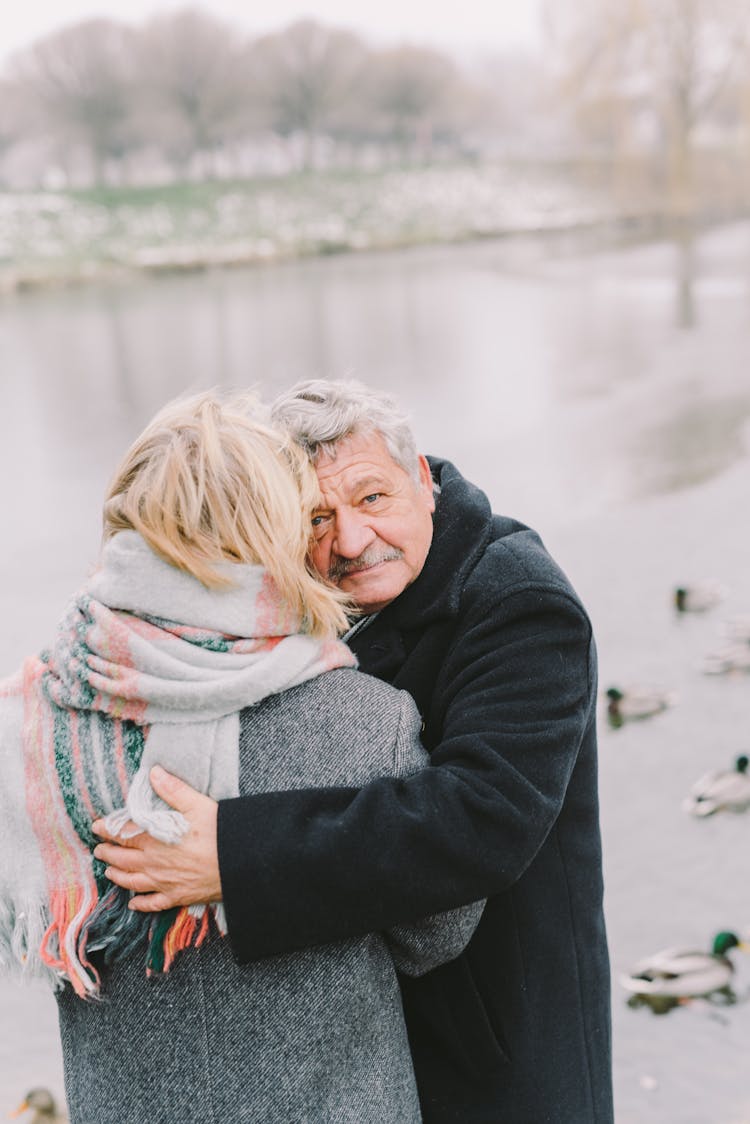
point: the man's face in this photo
(374, 527)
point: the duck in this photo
(698, 598)
(44, 1106)
(730, 658)
(633, 703)
(727, 789)
(675, 975)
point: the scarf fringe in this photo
(23, 926)
(173, 932)
(63, 946)
(34, 945)
(116, 931)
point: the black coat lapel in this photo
(380, 651)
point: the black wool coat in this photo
(496, 649)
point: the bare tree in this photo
(670, 59)
(12, 119)
(414, 93)
(77, 82)
(696, 46)
(195, 85)
(306, 74)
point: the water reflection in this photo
(685, 278)
(697, 442)
(121, 361)
(564, 382)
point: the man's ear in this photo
(426, 482)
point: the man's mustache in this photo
(340, 567)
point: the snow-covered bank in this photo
(66, 237)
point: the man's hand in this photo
(164, 875)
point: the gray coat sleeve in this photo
(425, 944)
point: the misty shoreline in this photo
(65, 238)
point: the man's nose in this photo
(353, 535)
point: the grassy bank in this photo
(70, 236)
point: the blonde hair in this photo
(209, 480)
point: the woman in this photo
(202, 643)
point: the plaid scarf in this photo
(148, 667)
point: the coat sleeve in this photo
(516, 694)
(423, 945)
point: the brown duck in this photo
(43, 1105)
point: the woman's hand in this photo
(164, 875)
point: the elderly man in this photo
(466, 611)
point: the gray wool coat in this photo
(315, 1036)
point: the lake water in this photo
(601, 395)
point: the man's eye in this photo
(372, 498)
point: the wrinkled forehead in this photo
(359, 445)
(398, 444)
(358, 461)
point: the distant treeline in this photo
(187, 95)
(648, 90)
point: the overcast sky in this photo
(466, 25)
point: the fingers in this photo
(131, 840)
(151, 903)
(172, 790)
(166, 875)
(147, 898)
(130, 880)
(124, 858)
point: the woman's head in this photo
(209, 480)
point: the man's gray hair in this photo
(319, 413)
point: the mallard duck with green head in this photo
(726, 789)
(630, 704)
(698, 598)
(674, 975)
